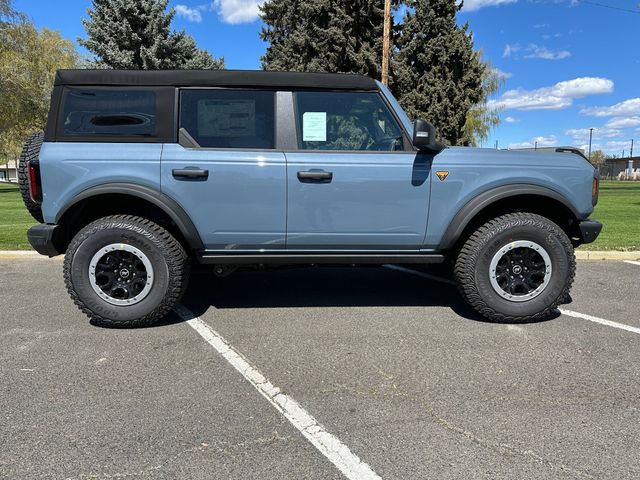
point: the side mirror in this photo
(424, 136)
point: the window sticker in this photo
(314, 127)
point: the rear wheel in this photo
(30, 154)
(516, 268)
(125, 271)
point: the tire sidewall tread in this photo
(472, 267)
(167, 256)
(30, 154)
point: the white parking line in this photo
(601, 321)
(330, 446)
(569, 313)
(632, 262)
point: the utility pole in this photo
(631, 154)
(386, 42)
(590, 138)
(536, 146)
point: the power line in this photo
(609, 6)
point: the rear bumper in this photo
(589, 230)
(41, 237)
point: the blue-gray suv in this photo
(140, 173)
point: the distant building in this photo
(8, 171)
(613, 166)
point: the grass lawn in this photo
(618, 209)
(14, 219)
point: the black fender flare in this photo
(153, 196)
(483, 200)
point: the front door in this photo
(230, 180)
(352, 183)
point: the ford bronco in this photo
(139, 173)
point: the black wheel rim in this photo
(520, 271)
(121, 274)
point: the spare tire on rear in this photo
(30, 153)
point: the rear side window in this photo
(229, 118)
(109, 112)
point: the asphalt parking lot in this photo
(397, 372)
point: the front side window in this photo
(346, 121)
(229, 118)
(109, 112)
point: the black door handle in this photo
(192, 173)
(315, 176)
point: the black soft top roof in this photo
(216, 78)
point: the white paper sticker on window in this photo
(314, 127)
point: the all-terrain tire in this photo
(473, 273)
(30, 153)
(167, 257)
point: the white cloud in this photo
(472, 5)
(534, 51)
(502, 74)
(541, 25)
(623, 109)
(622, 122)
(511, 120)
(582, 134)
(540, 141)
(191, 14)
(238, 11)
(544, 53)
(555, 97)
(610, 148)
(509, 50)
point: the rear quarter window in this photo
(102, 112)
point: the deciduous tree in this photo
(29, 59)
(598, 158)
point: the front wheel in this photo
(125, 271)
(516, 268)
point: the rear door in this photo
(353, 182)
(226, 173)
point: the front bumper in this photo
(589, 230)
(42, 239)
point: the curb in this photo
(25, 255)
(607, 255)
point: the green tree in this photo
(438, 74)
(136, 34)
(323, 35)
(598, 158)
(28, 61)
(6, 9)
(480, 117)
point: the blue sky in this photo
(568, 65)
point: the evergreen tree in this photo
(136, 34)
(438, 75)
(323, 35)
(6, 9)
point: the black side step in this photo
(318, 258)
